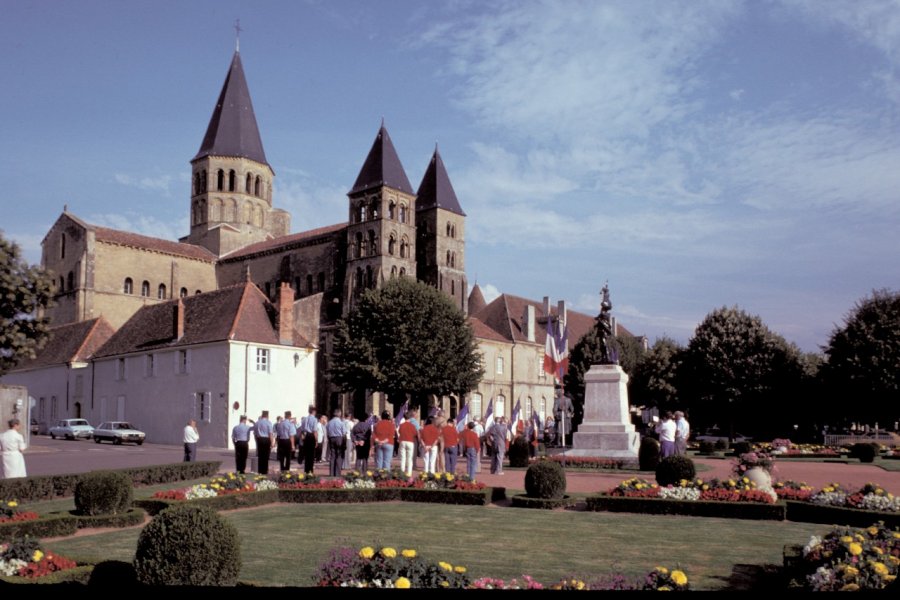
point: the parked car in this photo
(118, 432)
(35, 427)
(715, 434)
(72, 429)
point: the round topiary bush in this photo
(113, 573)
(545, 479)
(741, 448)
(648, 454)
(721, 444)
(707, 447)
(103, 493)
(673, 469)
(865, 452)
(518, 453)
(188, 545)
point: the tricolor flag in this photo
(462, 417)
(551, 356)
(489, 415)
(562, 350)
(400, 416)
(433, 411)
(514, 419)
(537, 419)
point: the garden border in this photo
(807, 512)
(695, 508)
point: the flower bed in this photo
(10, 512)
(22, 559)
(848, 559)
(717, 490)
(697, 508)
(154, 506)
(792, 490)
(593, 462)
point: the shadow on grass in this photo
(757, 578)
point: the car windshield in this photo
(80, 422)
(124, 426)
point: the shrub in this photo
(188, 545)
(865, 452)
(545, 479)
(707, 447)
(648, 454)
(721, 444)
(518, 453)
(673, 469)
(103, 493)
(741, 448)
(113, 573)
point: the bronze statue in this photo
(606, 332)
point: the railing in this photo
(848, 440)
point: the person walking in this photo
(337, 436)
(240, 436)
(12, 447)
(284, 434)
(308, 427)
(383, 436)
(471, 444)
(191, 437)
(682, 433)
(264, 434)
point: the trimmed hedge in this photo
(523, 501)
(130, 518)
(46, 487)
(695, 508)
(462, 497)
(154, 506)
(808, 512)
(103, 493)
(52, 526)
(339, 496)
(545, 479)
(116, 573)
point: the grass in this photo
(66, 504)
(489, 541)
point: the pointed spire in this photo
(232, 129)
(436, 191)
(476, 300)
(382, 167)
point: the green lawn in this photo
(67, 504)
(283, 544)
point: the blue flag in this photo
(462, 417)
(399, 417)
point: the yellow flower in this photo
(731, 482)
(388, 552)
(846, 539)
(850, 587)
(662, 570)
(37, 556)
(664, 588)
(699, 482)
(287, 475)
(445, 566)
(301, 476)
(850, 572)
(449, 477)
(12, 504)
(445, 584)
(408, 553)
(705, 487)
(878, 550)
(402, 583)
(579, 585)
(827, 490)
(459, 569)
(880, 568)
(745, 480)
(897, 535)
(894, 560)
(368, 473)
(679, 578)
(367, 552)
(872, 530)
(855, 549)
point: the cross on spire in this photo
(237, 35)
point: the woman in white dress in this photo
(12, 444)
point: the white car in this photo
(118, 432)
(72, 429)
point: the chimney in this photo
(528, 322)
(178, 320)
(285, 314)
(561, 312)
(546, 307)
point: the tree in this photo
(25, 290)
(588, 351)
(735, 367)
(863, 358)
(406, 338)
(654, 380)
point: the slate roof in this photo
(284, 242)
(476, 300)
(240, 312)
(436, 189)
(125, 238)
(73, 342)
(382, 167)
(232, 129)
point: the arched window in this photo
(196, 292)
(391, 209)
(453, 259)
(393, 271)
(373, 249)
(145, 289)
(402, 271)
(452, 287)
(448, 258)
(370, 280)
(196, 183)
(453, 231)
(62, 284)
(220, 180)
(321, 282)
(392, 243)
(231, 180)
(359, 278)
(71, 281)
(448, 228)
(403, 213)
(128, 288)
(182, 293)
(362, 212)
(248, 183)
(256, 187)
(161, 291)
(309, 284)
(359, 248)
(203, 180)
(62, 246)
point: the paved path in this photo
(50, 457)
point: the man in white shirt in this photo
(666, 431)
(682, 433)
(191, 437)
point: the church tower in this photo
(440, 224)
(381, 233)
(231, 183)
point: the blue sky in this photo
(694, 154)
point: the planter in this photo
(760, 477)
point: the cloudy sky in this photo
(694, 154)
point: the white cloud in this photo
(311, 202)
(736, 95)
(490, 292)
(153, 184)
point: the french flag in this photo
(562, 350)
(400, 416)
(462, 417)
(489, 415)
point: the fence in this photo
(887, 439)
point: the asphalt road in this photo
(46, 456)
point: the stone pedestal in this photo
(606, 430)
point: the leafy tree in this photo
(25, 290)
(735, 369)
(864, 356)
(654, 380)
(587, 352)
(406, 338)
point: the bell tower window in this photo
(231, 182)
(249, 183)
(220, 180)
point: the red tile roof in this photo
(484, 332)
(282, 243)
(145, 242)
(73, 342)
